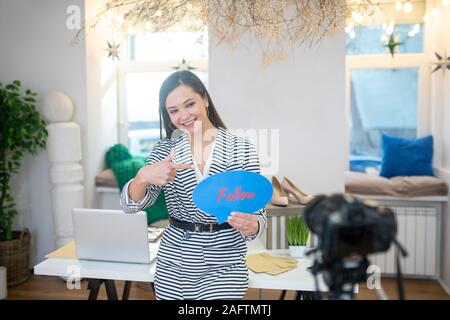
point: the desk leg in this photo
(111, 291)
(126, 290)
(93, 287)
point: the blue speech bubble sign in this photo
(229, 191)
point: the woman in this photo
(197, 258)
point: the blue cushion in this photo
(402, 157)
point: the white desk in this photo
(298, 279)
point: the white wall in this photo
(303, 97)
(440, 108)
(35, 48)
(101, 82)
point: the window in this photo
(169, 46)
(382, 101)
(372, 39)
(385, 94)
(151, 58)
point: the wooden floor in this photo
(50, 288)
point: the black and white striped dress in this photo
(199, 265)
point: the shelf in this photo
(291, 209)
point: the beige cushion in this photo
(360, 183)
(402, 186)
(106, 179)
(417, 186)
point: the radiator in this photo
(418, 230)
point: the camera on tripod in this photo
(348, 230)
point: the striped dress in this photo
(199, 265)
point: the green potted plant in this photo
(297, 233)
(22, 131)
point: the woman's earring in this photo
(170, 126)
(207, 111)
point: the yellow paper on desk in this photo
(281, 261)
(257, 263)
(263, 262)
(69, 251)
(279, 270)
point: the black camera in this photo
(348, 230)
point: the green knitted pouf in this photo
(125, 167)
(117, 153)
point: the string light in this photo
(414, 30)
(408, 7)
(357, 17)
(398, 5)
(274, 23)
(445, 3)
(390, 28)
(352, 34)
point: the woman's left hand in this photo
(246, 223)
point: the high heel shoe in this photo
(279, 198)
(290, 189)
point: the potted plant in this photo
(22, 131)
(297, 233)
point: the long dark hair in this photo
(187, 78)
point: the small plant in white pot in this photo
(297, 233)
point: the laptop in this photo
(112, 235)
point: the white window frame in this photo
(385, 61)
(127, 66)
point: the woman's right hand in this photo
(160, 173)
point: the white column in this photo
(66, 173)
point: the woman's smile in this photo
(190, 123)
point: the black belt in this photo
(199, 227)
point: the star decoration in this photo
(442, 63)
(393, 43)
(184, 66)
(113, 50)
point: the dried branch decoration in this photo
(273, 23)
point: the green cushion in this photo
(125, 167)
(117, 153)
